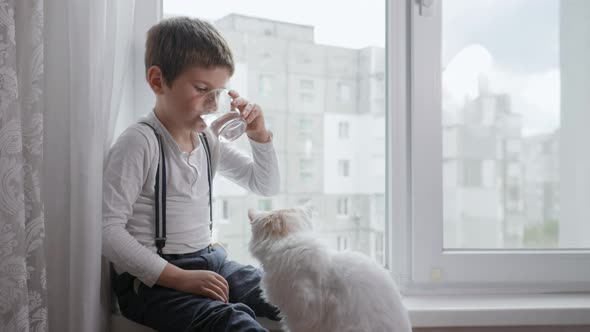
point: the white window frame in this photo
(414, 133)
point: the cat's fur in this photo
(318, 289)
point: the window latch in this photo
(426, 7)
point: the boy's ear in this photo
(155, 79)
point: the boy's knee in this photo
(241, 308)
(227, 317)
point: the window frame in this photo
(417, 257)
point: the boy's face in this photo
(183, 99)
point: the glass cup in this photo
(225, 121)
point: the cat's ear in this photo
(253, 214)
(307, 208)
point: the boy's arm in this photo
(124, 174)
(259, 173)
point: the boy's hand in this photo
(199, 282)
(252, 114)
(204, 283)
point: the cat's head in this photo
(271, 226)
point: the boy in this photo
(156, 204)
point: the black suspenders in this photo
(203, 138)
(160, 190)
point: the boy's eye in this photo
(201, 89)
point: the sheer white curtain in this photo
(87, 46)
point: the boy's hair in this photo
(178, 43)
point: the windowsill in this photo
(499, 310)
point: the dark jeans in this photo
(166, 309)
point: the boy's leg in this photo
(244, 287)
(166, 309)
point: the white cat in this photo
(318, 289)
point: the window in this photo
(343, 168)
(265, 85)
(307, 97)
(303, 200)
(343, 92)
(307, 91)
(224, 209)
(269, 121)
(272, 48)
(341, 243)
(305, 170)
(305, 128)
(472, 173)
(343, 128)
(265, 204)
(342, 206)
(306, 85)
(477, 212)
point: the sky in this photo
(515, 42)
(344, 23)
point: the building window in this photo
(305, 170)
(265, 204)
(265, 85)
(307, 97)
(343, 208)
(268, 122)
(307, 91)
(343, 92)
(303, 200)
(305, 127)
(344, 168)
(306, 84)
(472, 173)
(343, 130)
(342, 243)
(224, 209)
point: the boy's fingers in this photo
(233, 93)
(212, 294)
(222, 284)
(253, 115)
(246, 111)
(239, 101)
(219, 292)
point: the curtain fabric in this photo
(23, 288)
(62, 72)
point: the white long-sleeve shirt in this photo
(128, 194)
